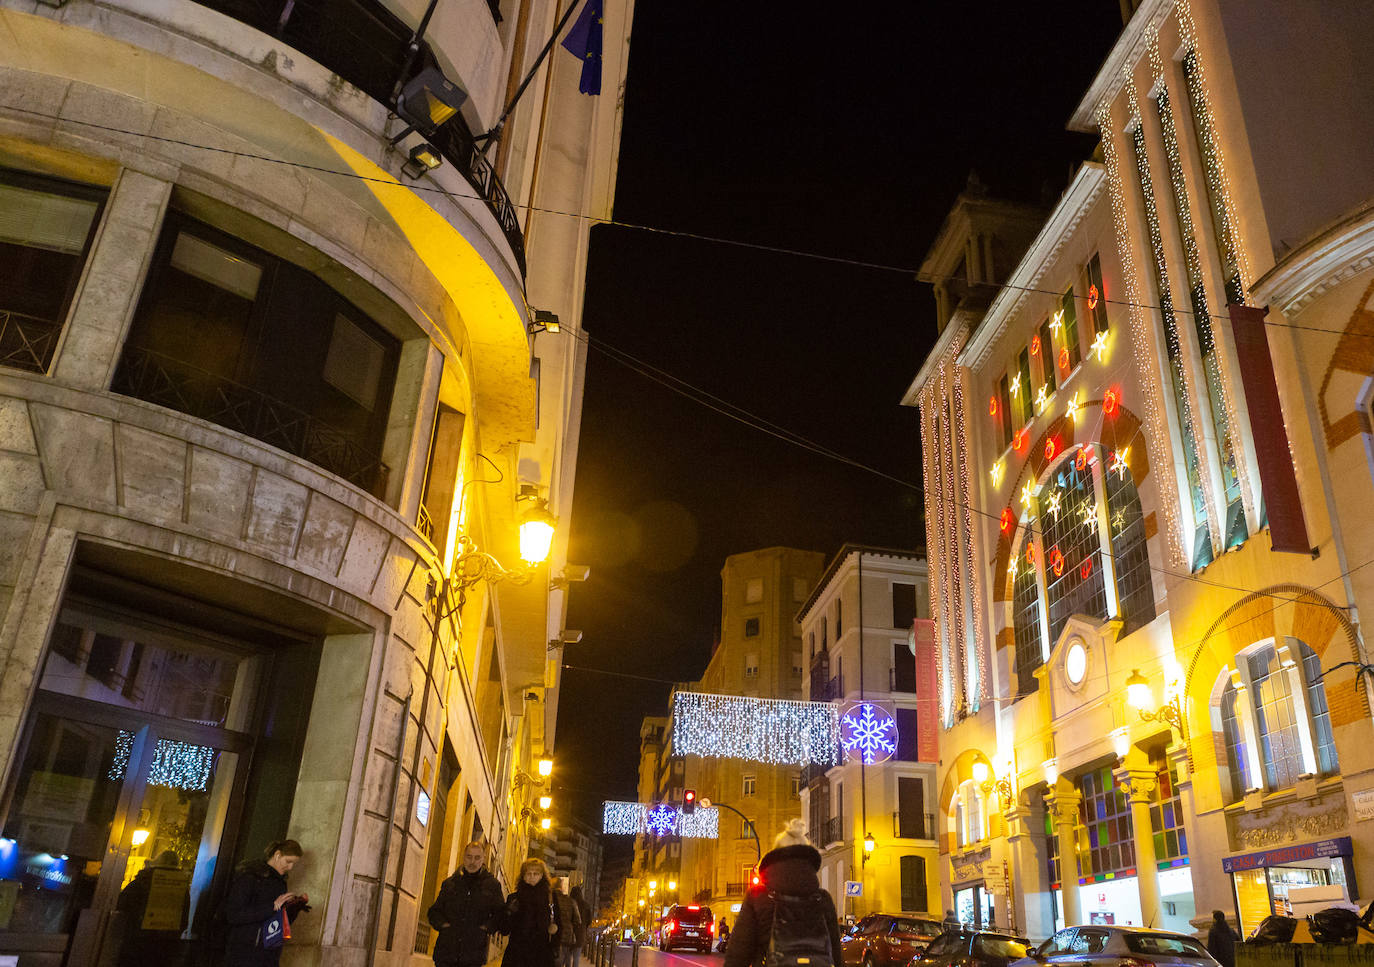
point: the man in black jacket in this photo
(465, 912)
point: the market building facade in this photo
(1148, 499)
(274, 400)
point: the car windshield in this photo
(946, 943)
(986, 945)
(1164, 943)
(928, 928)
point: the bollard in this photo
(634, 955)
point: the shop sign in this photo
(1363, 802)
(853, 888)
(1321, 849)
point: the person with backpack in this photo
(787, 920)
(466, 911)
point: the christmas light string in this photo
(176, 765)
(768, 730)
(659, 819)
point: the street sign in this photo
(853, 888)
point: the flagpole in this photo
(486, 139)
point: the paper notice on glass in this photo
(168, 895)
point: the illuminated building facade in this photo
(1147, 529)
(861, 650)
(276, 392)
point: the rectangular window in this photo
(46, 228)
(751, 627)
(1111, 848)
(1166, 816)
(1003, 399)
(911, 808)
(796, 664)
(1072, 546)
(751, 666)
(1022, 391)
(1096, 297)
(903, 605)
(230, 333)
(1045, 357)
(796, 785)
(839, 616)
(903, 668)
(913, 872)
(750, 785)
(1071, 349)
(906, 734)
(753, 591)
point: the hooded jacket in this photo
(788, 869)
(465, 913)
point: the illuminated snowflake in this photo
(662, 820)
(868, 731)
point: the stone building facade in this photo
(272, 407)
(1151, 561)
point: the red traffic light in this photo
(689, 802)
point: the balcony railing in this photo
(178, 386)
(829, 691)
(365, 44)
(736, 889)
(925, 829)
(27, 342)
(830, 831)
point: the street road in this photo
(653, 957)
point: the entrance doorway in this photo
(130, 776)
(973, 907)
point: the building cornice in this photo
(1078, 199)
(844, 554)
(963, 320)
(1126, 52)
(1323, 262)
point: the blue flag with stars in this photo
(584, 42)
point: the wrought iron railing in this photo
(180, 386)
(27, 342)
(424, 523)
(422, 938)
(831, 831)
(736, 889)
(923, 828)
(829, 691)
(365, 44)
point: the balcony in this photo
(365, 44)
(924, 828)
(736, 889)
(831, 831)
(27, 342)
(830, 691)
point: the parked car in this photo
(688, 925)
(887, 939)
(1112, 946)
(959, 947)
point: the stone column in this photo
(110, 287)
(1140, 784)
(1064, 802)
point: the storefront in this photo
(141, 778)
(1291, 880)
(973, 906)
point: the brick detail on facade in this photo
(1354, 353)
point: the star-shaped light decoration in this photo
(1099, 346)
(1011, 568)
(662, 820)
(1041, 400)
(1119, 465)
(1027, 495)
(1119, 520)
(1053, 506)
(1089, 514)
(995, 472)
(1058, 322)
(1016, 385)
(1072, 407)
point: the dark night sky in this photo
(840, 130)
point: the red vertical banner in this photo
(927, 690)
(1282, 502)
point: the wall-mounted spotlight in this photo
(568, 637)
(572, 574)
(428, 100)
(543, 320)
(423, 158)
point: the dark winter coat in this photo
(1221, 943)
(252, 893)
(571, 920)
(529, 911)
(791, 870)
(584, 910)
(466, 911)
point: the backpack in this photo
(799, 936)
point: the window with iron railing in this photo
(229, 333)
(46, 228)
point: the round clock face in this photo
(1076, 663)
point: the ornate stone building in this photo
(275, 391)
(1148, 496)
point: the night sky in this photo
(845, 131)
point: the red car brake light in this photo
(672, 925)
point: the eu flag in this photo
(584, 42)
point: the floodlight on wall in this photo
(568, 637)
(423, 158)
(428, 100)
(572, 574)
(542, 320)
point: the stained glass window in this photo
(1166, 817)
(1107, 818)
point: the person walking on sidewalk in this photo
(466, 912)
(574, 927)
(787, 918)
(1221, 940)
(531, 919)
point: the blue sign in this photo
(1321, 849)
(853, 888)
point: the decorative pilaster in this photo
(1064, 803)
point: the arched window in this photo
(1084, 552)
(1277, 721)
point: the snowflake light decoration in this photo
(869, 732)
(662, 820)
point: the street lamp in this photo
(870, 844)
(536, 534)
(545, 767)
(474, 565)
(672, 885)
(546, 824)
(1140, 697)
(545, 802)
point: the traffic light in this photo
(689, 802)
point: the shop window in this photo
(46, 228)
(913, 877)
(233, 334)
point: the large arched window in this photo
(1083, 552)
(1276, 723)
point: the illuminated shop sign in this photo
(1321, 849)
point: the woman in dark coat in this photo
(790, 868)
(1221, 940)
(258, 890)
(531, 919)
